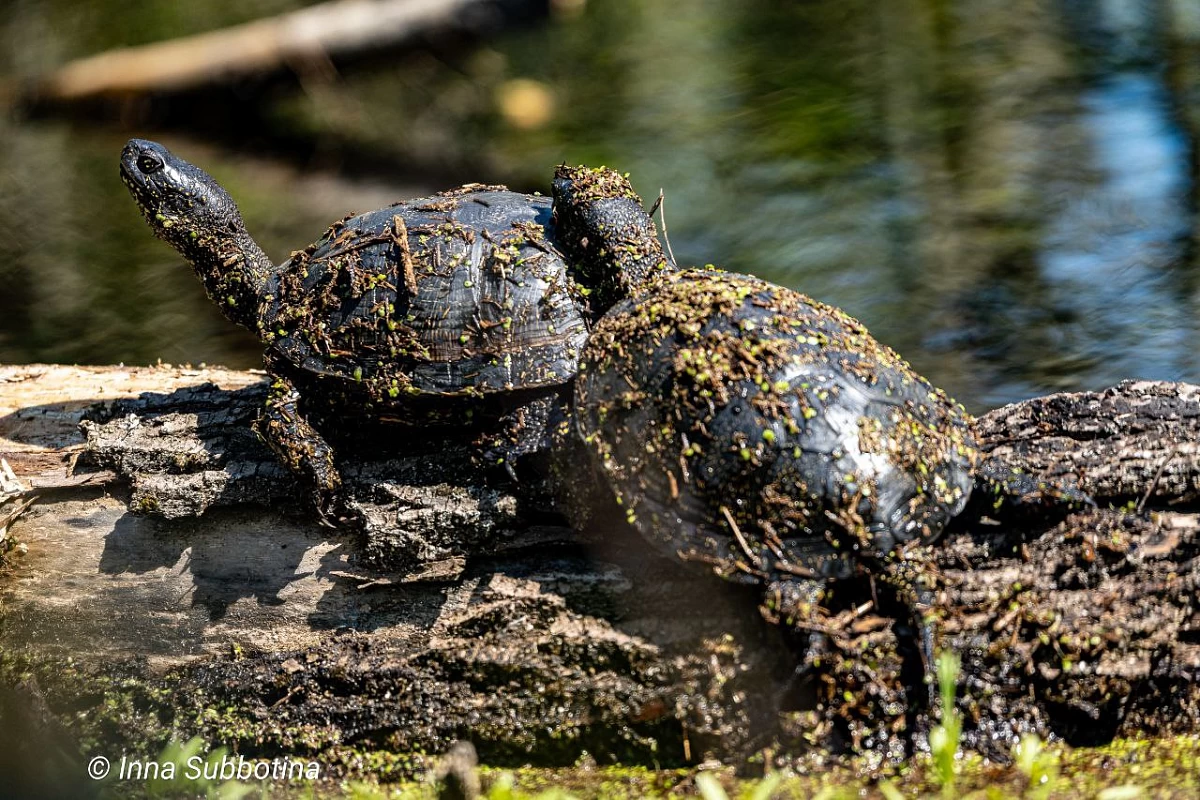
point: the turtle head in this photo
(187, 208)
(607, 235)
(181, 202)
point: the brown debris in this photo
(400, 237)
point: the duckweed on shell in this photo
(751, 428)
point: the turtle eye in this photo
(148, 163)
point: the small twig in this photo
(737, 534)
(660, 205)
(1157, 476)
(400, 236)
(360, 244)
(6, 541)
(657, 203)
(291, 692)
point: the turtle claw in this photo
(324, 521)
(351, 515)
(326, 511)
(499, 457)
(339, 512)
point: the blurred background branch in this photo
(304, 40)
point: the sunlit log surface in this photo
(221, 609)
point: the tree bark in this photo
(170, 566)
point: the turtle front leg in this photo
(795, 603)
(522, 431)
(911, 573)
(301, 448)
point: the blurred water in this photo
(1003, 191)
(1112, 256)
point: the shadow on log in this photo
(470, 612)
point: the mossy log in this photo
(174, 584)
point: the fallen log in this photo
(544, 646)
(173, 585)
(308, 40)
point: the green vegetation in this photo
(1119, 771)
(1123, 770)
(944, 739)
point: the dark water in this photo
(1002, 191)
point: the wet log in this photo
(172, 569)
(1136, 442)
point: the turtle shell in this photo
(746, 426)
(457, 294)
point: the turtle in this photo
(746, 426)
(455, 311)
(759, 433)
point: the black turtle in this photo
(455, 310)
(746, 427)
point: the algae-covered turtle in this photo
(456, 309)
(744, 425)
(747, 427)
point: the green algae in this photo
(1163, 768)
